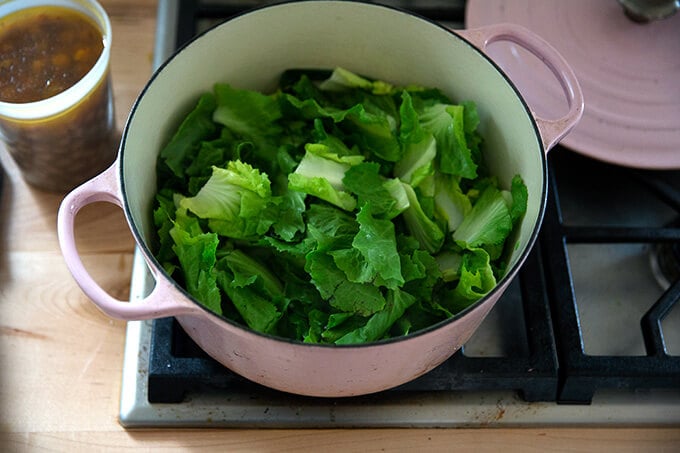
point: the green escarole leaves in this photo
(342, 210)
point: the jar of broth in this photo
(56, 104)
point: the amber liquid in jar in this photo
(44, 51)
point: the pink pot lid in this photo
(629, 73)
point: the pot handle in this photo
(158, 304)
(552, 131)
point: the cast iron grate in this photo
(193, 14)
(582, 374)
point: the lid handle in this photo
(552, 131)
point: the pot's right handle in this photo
(552, 131)
(163, 300)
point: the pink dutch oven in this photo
(251, 51)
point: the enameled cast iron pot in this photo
(251, 51)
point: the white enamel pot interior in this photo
(251, 51)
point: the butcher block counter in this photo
(61, 358)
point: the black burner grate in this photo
(195, 15)
(582, 374)
(553, 364)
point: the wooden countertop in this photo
(61, 358)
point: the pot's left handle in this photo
(159, 303)
(552, 131)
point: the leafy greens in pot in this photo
(343, 211)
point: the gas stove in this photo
(587, 334)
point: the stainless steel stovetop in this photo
(588, 334)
